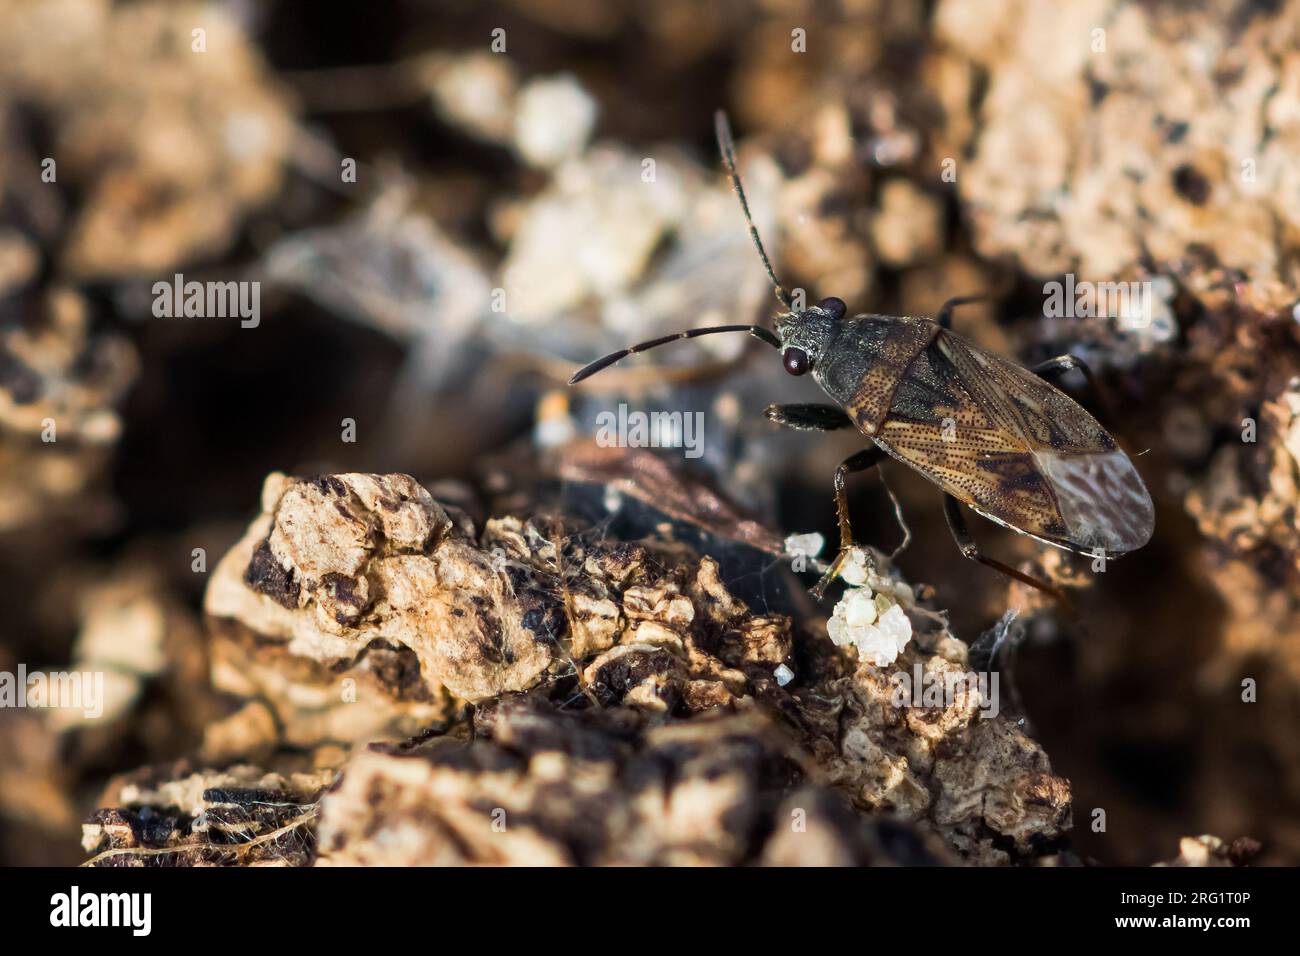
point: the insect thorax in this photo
(867, 357)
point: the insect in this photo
(996, 438)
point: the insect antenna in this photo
(602, 363)
(727, 147)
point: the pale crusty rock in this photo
(815, 829)
(401, 811)
(297, 701)
(183, 787)
(595, 624)
(343, 572)
(1104, 137)
(626, 703)
(996, 779)
(972, 774)
(541, 787)
(648, 676)
(248, 732)
(336, 563)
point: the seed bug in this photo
(995, 437)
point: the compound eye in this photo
(835, 306)
(796, 361)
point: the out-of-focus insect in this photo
(995, 437)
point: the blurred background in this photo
(451, 205)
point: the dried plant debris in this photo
(542, 787)
(19, 261)
(179, 817)
(151, 653)
(158, 192)
(626, 706)
(35, 777)
(60, 388)
(650, 479)
(138, 675)
(1206, 850)
(388, 266)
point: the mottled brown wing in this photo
(1016, 449)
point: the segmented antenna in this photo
(727, 148)
(603, 363)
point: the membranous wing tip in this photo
(1101, 497)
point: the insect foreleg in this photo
(822, 418)
(863, 460)
(969, 549)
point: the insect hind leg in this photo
(1061, 364)
(862, 461)
(969, 549)
(944, 317)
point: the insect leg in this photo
(966, 542)
(868, 458)
(822, 418)
(1063, 363)
(944, 318)
(898, 516)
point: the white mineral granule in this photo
(863, 610)
(882, 643)
(809, 545)
(855, 611)
(875, 625)
(856, 568)
(783, 675)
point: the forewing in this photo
(1016, 449)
